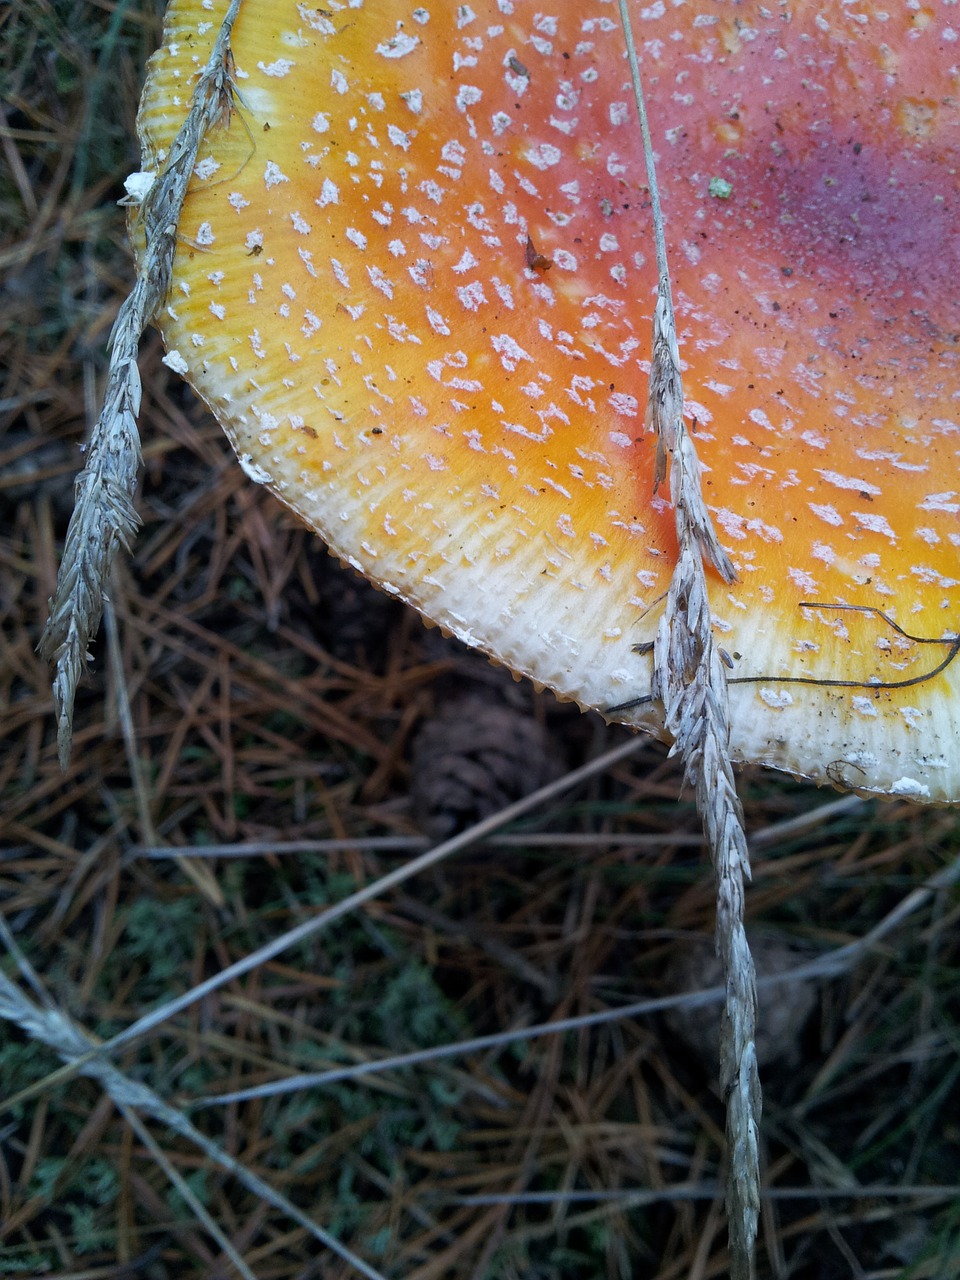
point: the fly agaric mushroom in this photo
(414, 283)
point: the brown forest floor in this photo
(270, 696)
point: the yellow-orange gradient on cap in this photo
(415, 283)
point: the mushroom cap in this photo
(415, 284)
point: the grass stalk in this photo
(690, 680)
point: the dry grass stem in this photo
(690, 680)
(104, 517)
(831, 964)
(315, 924)
(51, 1027)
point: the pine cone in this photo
(782, 1013)
(474, 758)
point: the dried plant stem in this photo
(830, 965)
(199, 1211)
(690, 681)
(104, 517)
(51, 1027)
(315, 924)
(204, 880)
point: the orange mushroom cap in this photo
(415, 284)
